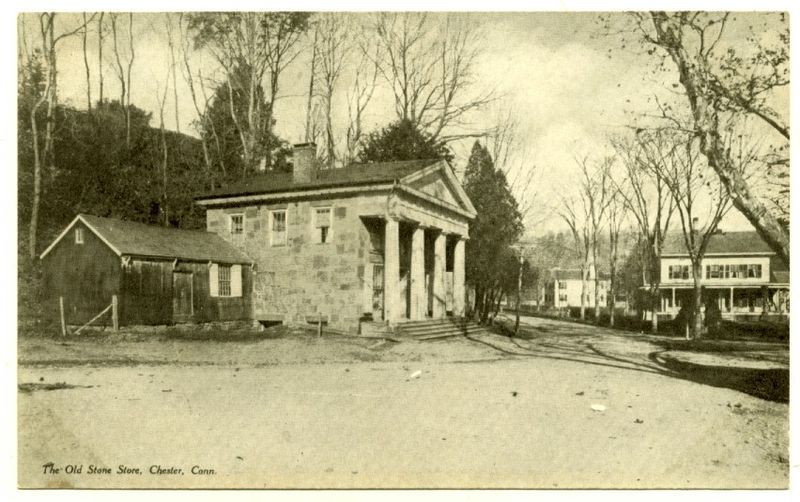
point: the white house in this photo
(564, 288)
(740, 273)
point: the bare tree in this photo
(171, 44)
(333, 35)
(696, 198)
(596, 187)
(202, 112)
(576, 216)
(719, 83)
(100, 34)
(251, 48)
(429, 63)
(84, 39)
(162, 100)
(124, 71)
(646, 196)
(44, 156)
(617, 217)
(359, 96)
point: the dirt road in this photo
(476, 416)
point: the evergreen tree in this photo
(492, 265)
(402, 140)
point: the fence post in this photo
(115, 312)
(63, 321)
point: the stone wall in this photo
(303, 279)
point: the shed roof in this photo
(354, 174)
(720, 244)
(140, 239)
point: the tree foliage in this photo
(402, 140)
(491, 264)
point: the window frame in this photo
(220, 281)
(272, 240)
(79, 235)
(231, 226)
(316, 228)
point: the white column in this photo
(439, 291)
(674, 307)
(419, 303)
(458, 279)
(391, 271)
(731, 305)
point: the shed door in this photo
(182, 296)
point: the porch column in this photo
(439, 292)
(730, 309)
(764, 300)
(673, 301)
(419, 303)
(458, 278)
(391, 271)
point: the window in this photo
(278, 228)
(679, 271)
(322, 224)
(78, 236)
(754, 271)
(562, 297)
(562, 285)
(237, 224)
(225, 280)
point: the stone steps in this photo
(431, 329)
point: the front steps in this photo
(432, 329)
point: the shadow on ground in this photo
(602, 347)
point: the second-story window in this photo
(278, 228)
(237, 224)
(679, 271)
(562, 285)
(78, 235)
(322, 225)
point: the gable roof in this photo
(352, 175)
(140, 239)
(720, 244)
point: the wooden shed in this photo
(159, 275)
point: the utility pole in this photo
(519, 289)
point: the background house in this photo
(563, 288)
(380, 242)
(741, 275)
(160, 275)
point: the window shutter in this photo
(213, 280)
(236, 280)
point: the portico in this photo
(423, 273)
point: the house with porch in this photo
(741, 275)
(368, 243)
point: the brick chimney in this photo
(304, 165)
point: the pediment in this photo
(438, 182)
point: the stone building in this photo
(380, 242)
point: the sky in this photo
(567, 85)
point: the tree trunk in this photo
(697, 314)
(583, 292)
(711, 143)
(86, 65)
(100, 56)
(655, 298)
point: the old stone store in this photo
(365, 243)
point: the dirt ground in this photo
(564, 406)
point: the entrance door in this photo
(377, 292)
(182, 308)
